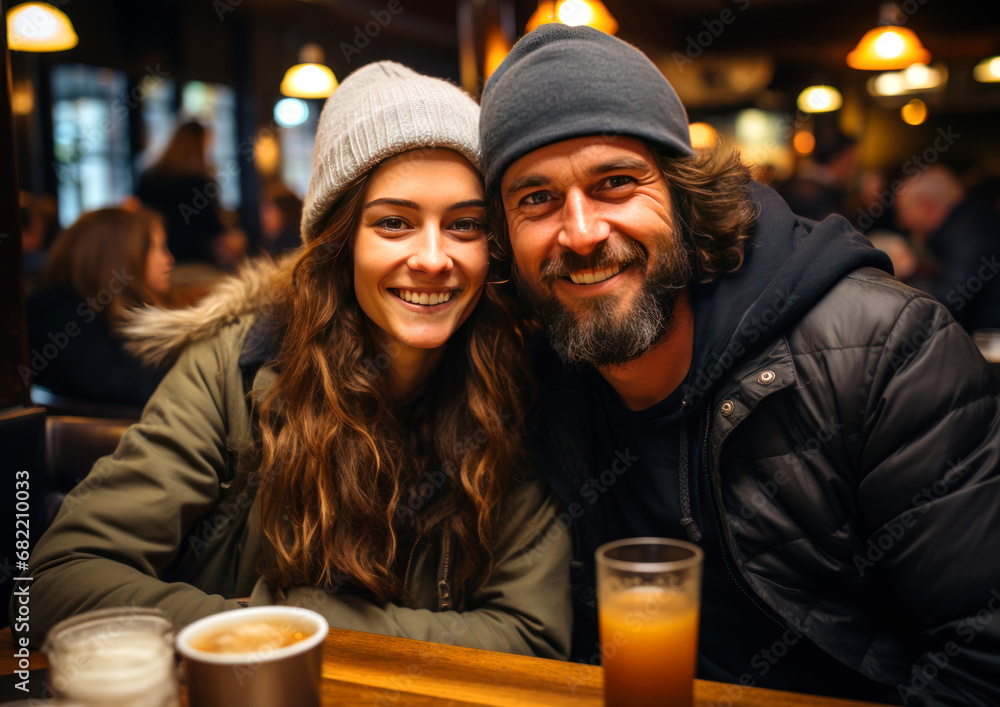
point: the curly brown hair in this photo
(349, 478)
(711, 195)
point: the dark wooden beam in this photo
(14, 390)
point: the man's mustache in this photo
(621, 252)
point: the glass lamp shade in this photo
(39, 27)
(573, 12)
(888, 47)
(308, 81)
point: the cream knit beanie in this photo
(381, 110)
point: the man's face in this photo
(596, 245)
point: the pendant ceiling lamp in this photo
(592, 13)
(310, 78)
(889, 46)
(39, 27)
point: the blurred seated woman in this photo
(107, 262)
(341, 431)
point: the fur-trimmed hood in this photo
(157, 336)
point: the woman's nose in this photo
(430, 255)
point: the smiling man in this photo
(722, 371)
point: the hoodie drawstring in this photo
(687, 518)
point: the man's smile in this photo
(591, 276)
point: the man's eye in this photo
(535, 198)
(619, 180)
(392, 223)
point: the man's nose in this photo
(430, 254)
(583, 229)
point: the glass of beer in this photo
(648, 600)
(114, 658)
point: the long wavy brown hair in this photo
(711, 196)
(101, 250)
(351, 478)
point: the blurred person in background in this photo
(39, 227)
(875, 203)
(280, 215)
(956, 238)
(105, 263)
(820, 189)
(179, 185)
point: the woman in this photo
(105, 263)
(343, 432)
(179, 185)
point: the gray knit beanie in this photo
(381, 110)
(561, 82)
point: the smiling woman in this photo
(420, 255)
(377, 474)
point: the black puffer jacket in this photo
(850, 432)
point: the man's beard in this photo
(600, 330)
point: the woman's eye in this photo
(392, 224)
(469, 225)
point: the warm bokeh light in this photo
(308, 81)
(885, 48)
(819, 99)
(889, 45)
(497, 49)
(914, 112)
(39, 27)
(804, 142)
(267, 153)
(573, 12)
(988, 70)
(703, 135)
(917, 77)
(22, 99)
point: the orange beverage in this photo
(650, 640)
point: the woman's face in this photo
(159, 262)
(420, 251)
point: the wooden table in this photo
(381, 671)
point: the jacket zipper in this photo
(718, 526)
(444, 591)
(406, 575)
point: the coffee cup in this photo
(257, 657)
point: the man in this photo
(828, 436)
(961, 237)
